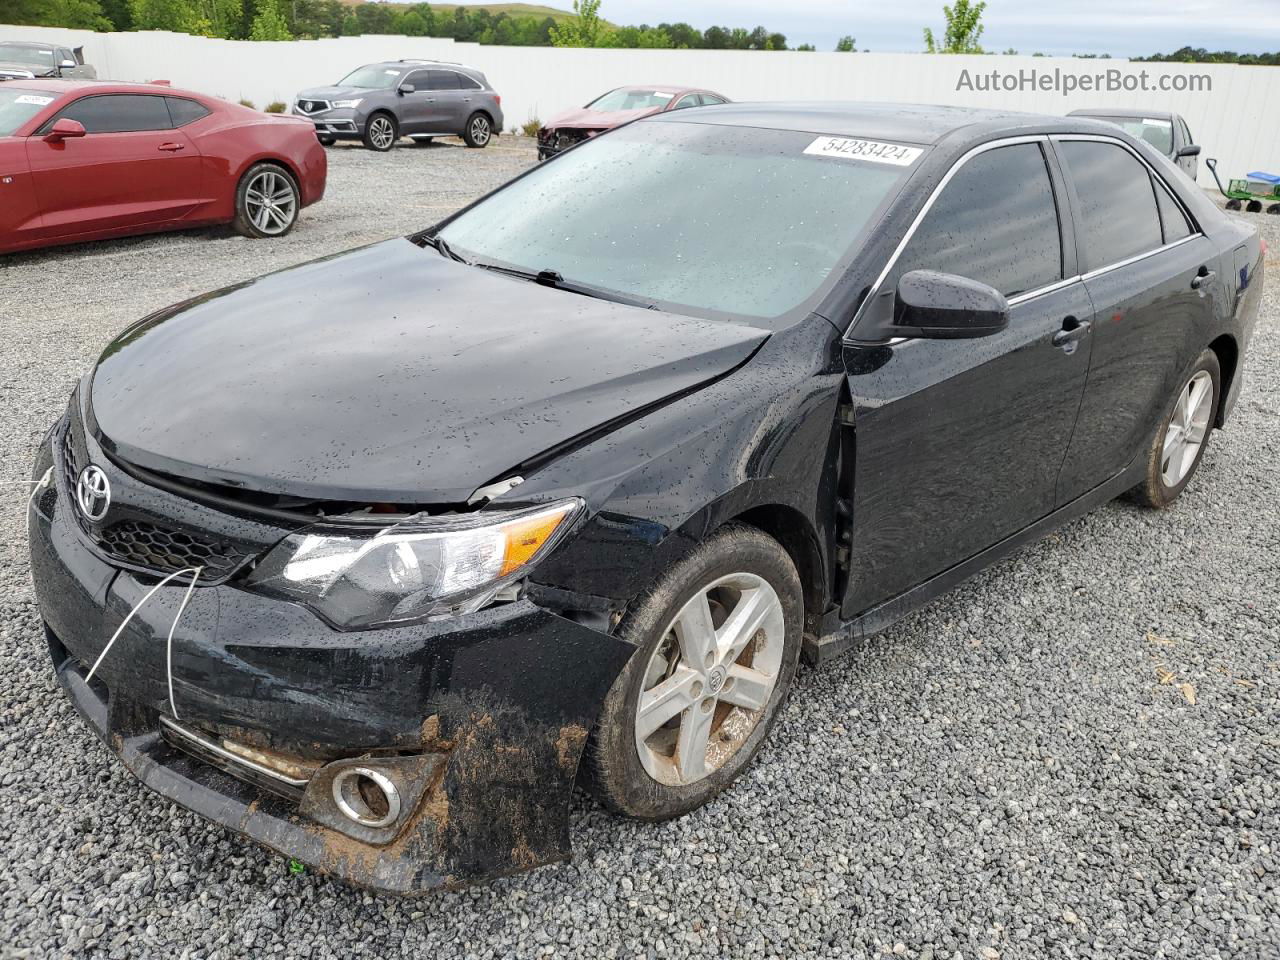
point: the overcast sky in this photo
(1119, 27)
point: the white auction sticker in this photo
(34, 101)
(1152, 122)
(894, 153)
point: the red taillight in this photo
(497, 98)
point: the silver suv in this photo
(382, 102)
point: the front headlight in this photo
(348, 103)
(418, 569)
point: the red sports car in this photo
(616, 108)
(87, 160)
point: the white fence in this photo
(1237, 119)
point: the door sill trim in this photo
(840, 636)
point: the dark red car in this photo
(87, 160)
(615, 108)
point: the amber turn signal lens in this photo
(526, 536)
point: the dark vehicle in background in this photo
(617, 107)
(1164, 130)
(85, 160)
(25, 60)
(379, 103)
(565, 485)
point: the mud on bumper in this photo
(479, 722)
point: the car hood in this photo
(336, 93)
(596, 119)
(25, 70)
(389, 374)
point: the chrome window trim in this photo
(1173, 194)
(1049, 288)
(924, 212)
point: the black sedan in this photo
(372, 558)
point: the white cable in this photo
(168, 650)
(125, 622)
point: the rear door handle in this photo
(1202, 278)
(172, 147)
(1072, 332)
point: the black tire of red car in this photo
(374, 132)
(478, 131)
(611, 767)
(326, 141)
(1156, 490)
(283, 198)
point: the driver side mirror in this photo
(1190, 150)
(405, 88)
(943, 306)
(68, 65)
(64, 129)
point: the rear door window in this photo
(117, 113)
(996, 221)
(1118, 203)
(442, 80)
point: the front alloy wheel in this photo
(380, 132)
(718, 640)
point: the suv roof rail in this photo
(451, 63)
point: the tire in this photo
(1233, 204)
(267, 202)
(1274, 208)
(1254, 206)
(1171, 460)
(478, 131)
(326, 141)
(739, 570)
(381, 132)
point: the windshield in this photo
(722, 219)
(1158, 133)
(371, 78)
(19, 106)
(31, 56)
(631, 98)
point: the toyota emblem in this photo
(93, 493)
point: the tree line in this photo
(311, 19)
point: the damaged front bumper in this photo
(478, 722)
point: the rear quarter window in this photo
(1118, 204)
(183, 111)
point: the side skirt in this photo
(839, 636)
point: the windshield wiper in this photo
(439, 244)
(553, 279)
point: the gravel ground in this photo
(1077, 754)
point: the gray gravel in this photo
(1017, 771)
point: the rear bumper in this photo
(479, 721)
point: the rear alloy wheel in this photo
(718, 642)
(267, 202)
(479, 130)
(381, 133)
(1178, 447)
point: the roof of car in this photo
(60, 85)
(1122, 112)
(902, 122)
(30, 43)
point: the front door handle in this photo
(1202, 278)
(1072, 332)
(172, 147)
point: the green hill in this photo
(510, 9)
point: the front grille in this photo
(166, 549)
(69, 457)
(313, 106)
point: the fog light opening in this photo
(366, 797)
